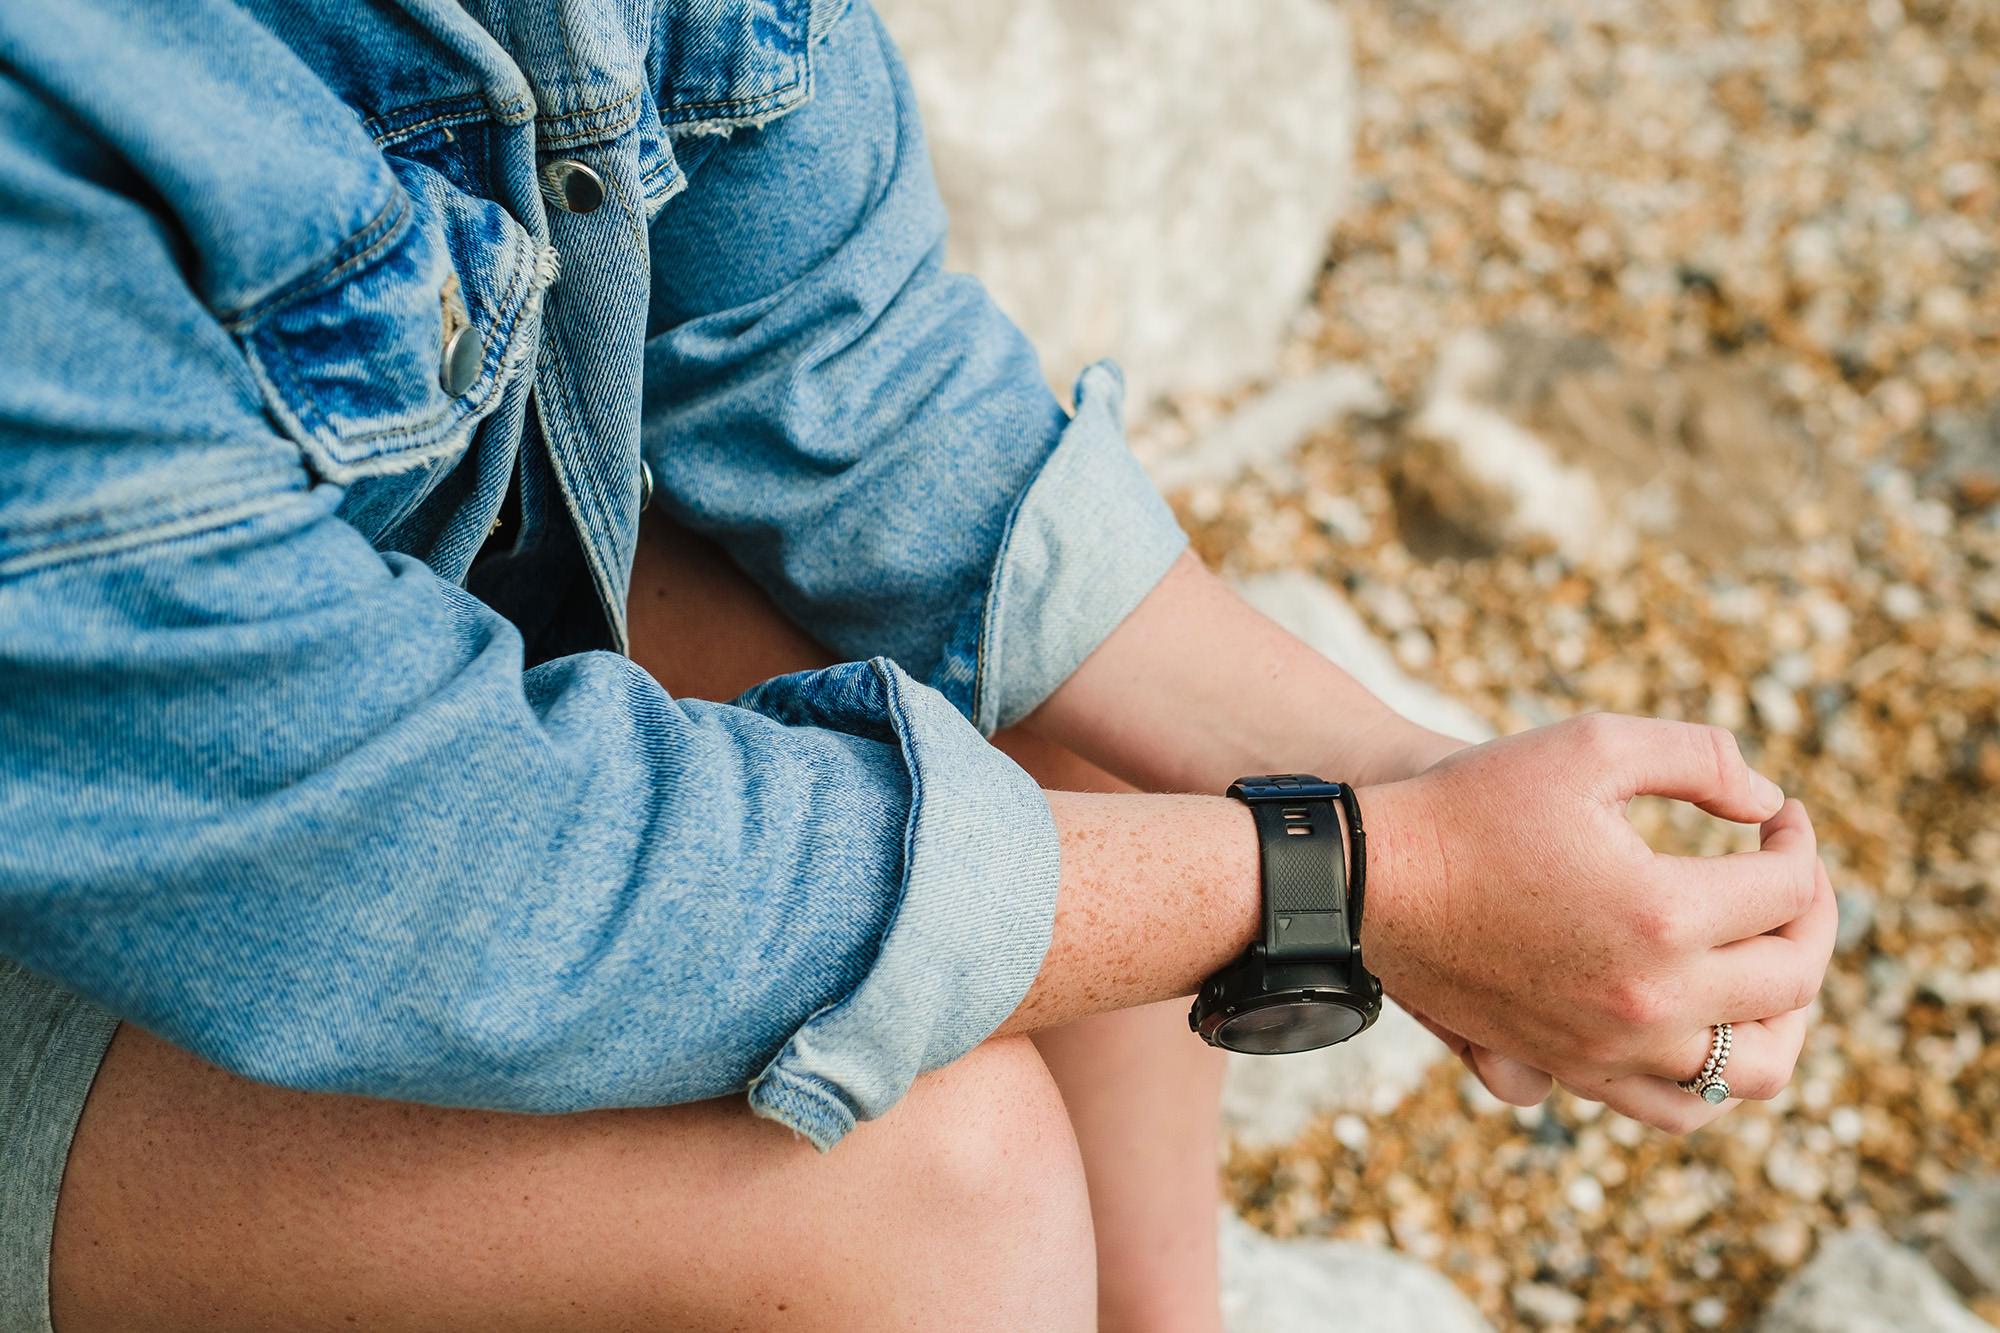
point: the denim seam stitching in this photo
(197, 524)
(752, 106)
(594, 107)
(390, 221)
(104, 513)
(385, 130)
(507, 318)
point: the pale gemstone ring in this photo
(1709, 1084)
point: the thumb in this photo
(1683, 761)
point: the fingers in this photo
(1773, 973)
(1749, 893)
(1507, 1078)
(1762, 1057)
(1681, 760)
(1758, 977)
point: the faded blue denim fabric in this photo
(307, 767)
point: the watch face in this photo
(1289, 1025)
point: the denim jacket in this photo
(337, 345)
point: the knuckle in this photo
(1792, 887)
(1805, 889)
(1724, 754)
(1640, 1003)
(1596, 733)
(1663, 925)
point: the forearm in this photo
(1196, 688)
(1157, 893)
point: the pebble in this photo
(1785, 1242)
(1856, 905)
(1777, 706)
(1585, 1195)
(1546, 1305)
(1708, 1312)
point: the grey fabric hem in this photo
(51, 1044)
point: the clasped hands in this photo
(1516, 912)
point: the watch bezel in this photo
(1256, 982)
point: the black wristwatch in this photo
(1303, 986)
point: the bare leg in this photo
(197, 1201)
(1144, 1095)
(1143, 1092)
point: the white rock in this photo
(1523, 436)
(1271, 425)
(1317, 1286)
(1150, 179)
(1585, 1194)
(1777, 705)
(1847, 1125)
(1548, 496)
(1795, 1171)
(1861, 1282)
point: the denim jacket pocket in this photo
(735, 66)
(365, 362)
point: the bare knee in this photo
(992, 1187)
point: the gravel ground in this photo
(1803, 201)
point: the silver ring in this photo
(1709, 1085)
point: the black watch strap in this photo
(1309, 911)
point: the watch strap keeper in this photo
(1311, 902)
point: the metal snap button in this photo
(645, 484)
(571, 186)
(464, 353)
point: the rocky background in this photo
(1647, 359)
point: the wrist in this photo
(1393, 750)
(1405, 879)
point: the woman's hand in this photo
(1514, 908)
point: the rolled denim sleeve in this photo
(294, 806)
(868, 434)
(293, 803)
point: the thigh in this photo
(698, 623)
(197, 1200)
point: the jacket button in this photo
(571, 186)
(645, 484)
(464, 353)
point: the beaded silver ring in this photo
(1709, 1085)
